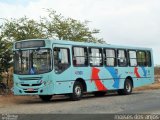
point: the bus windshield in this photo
(35, 61)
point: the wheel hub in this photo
(128, 87)
(78, 90)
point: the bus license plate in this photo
(30, 89)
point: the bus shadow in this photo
(112, 94)
(62, 98)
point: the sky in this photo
(121, 22)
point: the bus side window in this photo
(141, 58)
(95, 57)
(132, 58)
(80, 56)
(122, 58)
(110, 57)
(61, 59)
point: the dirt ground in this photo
(148, 102)
(149, 87)
(11, 99)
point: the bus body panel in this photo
(96, 78)
(59, 85)
(33, 84)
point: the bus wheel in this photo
(127, 88)
(99, 93)
(45, 97)
(77, 91)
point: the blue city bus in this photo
(50, 67)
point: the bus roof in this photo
(67, 42)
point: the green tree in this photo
(55, 26)
(59, 27)
(21, 29)
(5, 56)
(15, 30)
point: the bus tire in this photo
(45, 97)
(127, 88)
(120, 92)
(77, 91)
(99, 93)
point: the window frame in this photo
(69, 59)
(141, 59)
(126, 56)
(89, 52)
(129, 62)
(115, 58)
(51, 63)
(87, 57)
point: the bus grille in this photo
(30, 91)
(31, 84)
(30, 78)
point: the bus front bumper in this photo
(47, 89)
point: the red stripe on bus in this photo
(96, 79)
(136, 72)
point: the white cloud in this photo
(124, 22)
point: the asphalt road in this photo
(139, 102)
